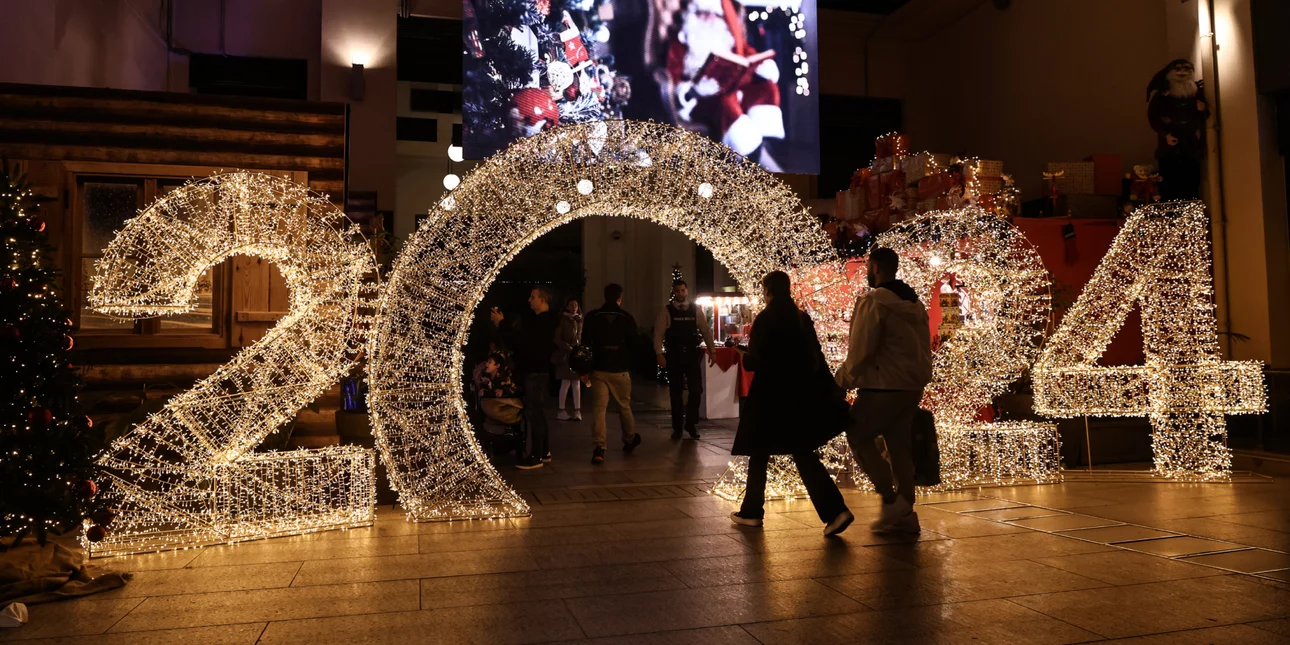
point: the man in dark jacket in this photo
(532, 340)
(610, 333)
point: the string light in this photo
(753, 224)
(1160, 261)
(187, 475)
(1003, 323)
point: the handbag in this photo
(926, 451)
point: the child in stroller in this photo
(499, 401)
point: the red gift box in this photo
(986, 202)
(893, 144)
(934, 185)
(892, 181)
(873, 190)
(876, 220)
(1107, 171)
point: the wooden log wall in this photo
(53, 123)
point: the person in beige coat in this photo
(889, 362)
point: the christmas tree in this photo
(46, 445)
(530, 65)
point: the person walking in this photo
(889, 362)
(568, 336)
(793, 407)
(678, 329)
(532, 340)
(610, 333)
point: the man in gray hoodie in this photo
(889, 362)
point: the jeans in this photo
(617, 385)
(889, 413)
(534, 397)
(825, 495)
(685, 372)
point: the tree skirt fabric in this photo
(33, 574)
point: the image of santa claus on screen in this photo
(721, 85)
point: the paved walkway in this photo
(658, 562)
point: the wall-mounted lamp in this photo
(357, 86)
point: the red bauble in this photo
(95, 533)
(536, 105)
(86, 488)
(38, 224)
(103, 516)
(89, 423)
(40, 417)
(70, 342)
(9, 284)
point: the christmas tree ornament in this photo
(575, 52)
(96, 534)
(86, 488)
(38, 224)
(42, 417)
(559, 77)
(103, 516)
(533, 111)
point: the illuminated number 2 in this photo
(188, 474)
(1160, 261)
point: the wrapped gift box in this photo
(1108, 171)
(990, 185)
(890, 145)
(883, 164)
(935, 184)
(925, 205)
(1078, 177)
(850, 204)
(873, 191)
(988, 168)
(893, 181)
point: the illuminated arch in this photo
(189, 475)
(752, 223)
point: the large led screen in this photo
(742, 73)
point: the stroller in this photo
(501, 426)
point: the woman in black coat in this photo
(793, 407)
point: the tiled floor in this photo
(660, 563)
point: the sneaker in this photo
(546, 459)
(839, 523)
(563, 416)
(577, 415)
(892, 513)
(676, 434)
(694, 432)
(529, 462)
(744, 521)
(598, 456)
(907, 525)
(631, 445)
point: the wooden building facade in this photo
(95, 157)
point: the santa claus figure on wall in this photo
(1177, 112)
(723, 86)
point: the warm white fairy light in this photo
(188, 474)
(1159, 261)
(1001, 330)
(999, 339)
(753, 225)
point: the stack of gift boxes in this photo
(1085, 189)
(899, 184)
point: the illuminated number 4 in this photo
(1160, 261)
